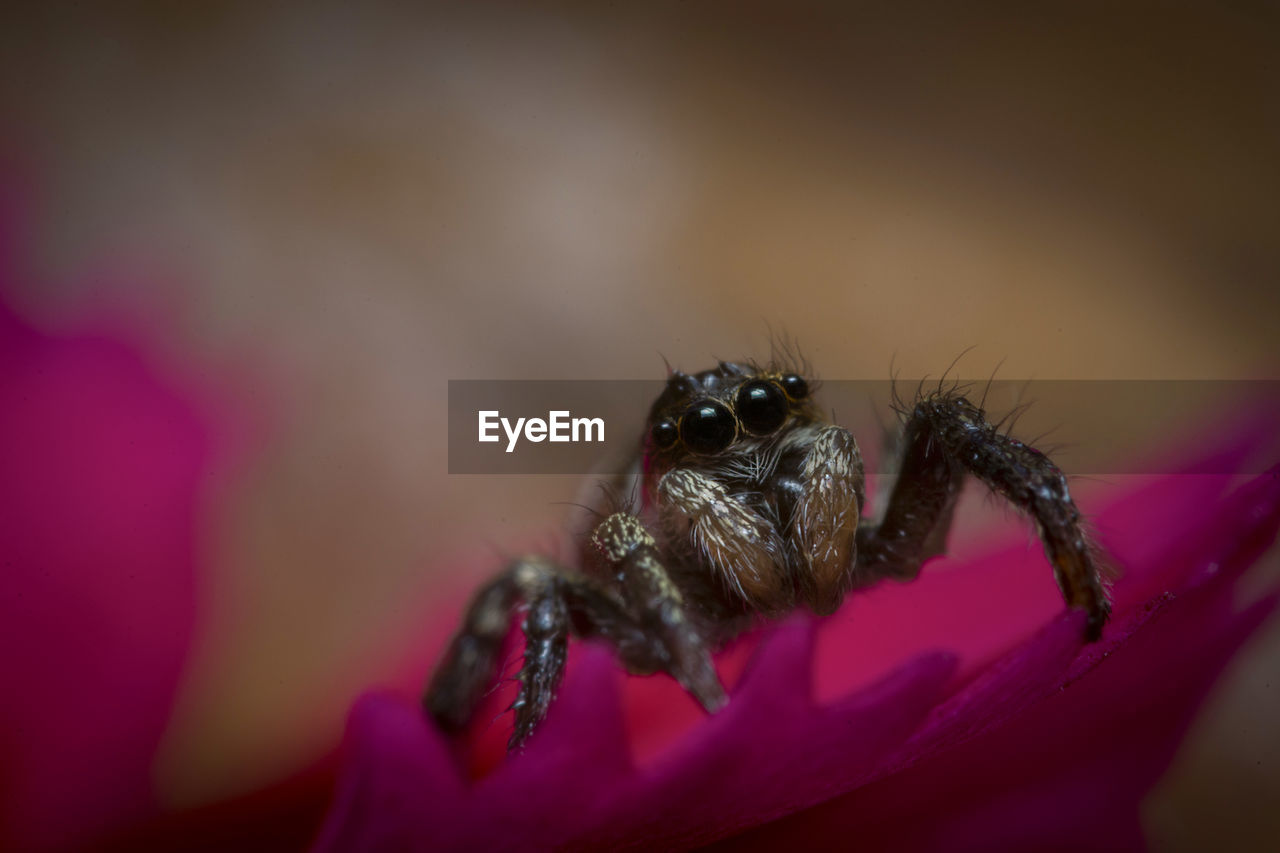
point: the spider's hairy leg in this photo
(735, 540)
(470, 665)
(471, 661)
(654, 634)
(946, 437)
(668, 638)
(830, 496)
(554, 597)
(917, 515)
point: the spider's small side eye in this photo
(708, 427)
(795, 386)
(664, 434)
(761, 406)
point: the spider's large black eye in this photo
(761, 406)
(664, 434)
(795, 386)
(708, 427)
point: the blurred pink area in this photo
(105, 467)
(115, 468)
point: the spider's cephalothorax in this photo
(750, 504)
(757, 499)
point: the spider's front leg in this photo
(654, 634)
(471, 662)
(946, 437)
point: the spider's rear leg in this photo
(946, 437)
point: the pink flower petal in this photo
(105, 467)
(1043, 739)
(102, 467)
(1071, 766)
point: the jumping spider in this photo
(750, 504)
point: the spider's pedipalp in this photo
(659, 607)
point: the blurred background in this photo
(345, 208)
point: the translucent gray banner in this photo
(1092, 427)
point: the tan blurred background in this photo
(356, 206)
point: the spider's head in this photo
(707, 415)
